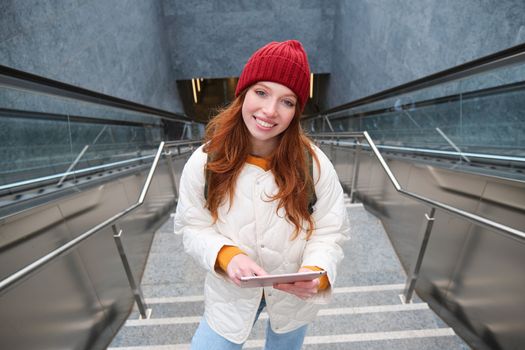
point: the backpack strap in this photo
(312, 197)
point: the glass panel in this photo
(49, 142)
(32, 148)
(477, 123)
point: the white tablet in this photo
(269, 280)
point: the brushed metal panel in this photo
(133, 186)
(178, 162)
(99, 253)
(401, 170)
(424, 181)
(110, 199)
(461, 190)
(452, 250)
(390, 201)
(378, 182)
(469, 272)
(161, 187)
(139, 227)
(341, 162)
(398, 213)
(30, 235)
(366, 161)
(161, 190)
(163, 179)
(489, 287)
(444, 250)
(178, 165)
(53, 309)
(80, 300)
(504, 201)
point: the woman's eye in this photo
(289, 103)
(260, 92)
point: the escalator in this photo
(72, 159)
(456, 137)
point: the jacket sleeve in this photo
(200, 238)
(324, 249)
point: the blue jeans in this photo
(205, 338)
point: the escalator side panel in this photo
(471, 276)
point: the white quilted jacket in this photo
(251, 225)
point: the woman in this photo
(244, 207)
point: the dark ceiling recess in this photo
(218, 93)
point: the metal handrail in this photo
(97, 167)
(434, 152)
(11, 280)
(453, 210)
(476, 219)
(73, 172)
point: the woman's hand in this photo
(303, 290)
(242, 266)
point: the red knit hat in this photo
(284, 63)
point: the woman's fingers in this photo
(302, 290)
(240, 266)
(308, 284)
(259, 271)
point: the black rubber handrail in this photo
(502, 58)
(13, 77)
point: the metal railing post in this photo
(169, 159)
(412, 279)
(329, 124)
(145, 313)
(355, 171)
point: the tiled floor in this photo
(366, 312)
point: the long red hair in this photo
(228, 145)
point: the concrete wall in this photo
(137, 49)
(379, 44)
(113, 47)
(214, 39)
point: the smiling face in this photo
(267, 110)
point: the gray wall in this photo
(137, 49)
(214, 39)
(113, 47)
(379, 44)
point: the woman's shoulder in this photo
(321, 156)
(197, 159)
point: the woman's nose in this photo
(270, 108)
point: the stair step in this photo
(264, 316)
(349, 204)
(421, 339)
(330, 322)
(181, 306)
(367, 315)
